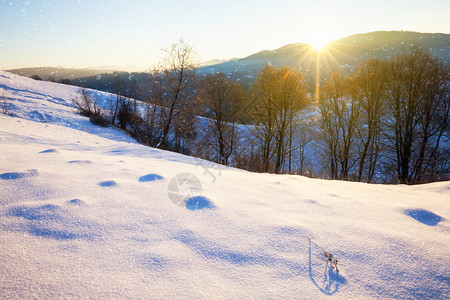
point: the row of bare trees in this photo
(222, 102)
(176, 97)
(388, 117)
(387, 121)
(279, 94)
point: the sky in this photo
(132, 33)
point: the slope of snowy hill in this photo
(86, 212)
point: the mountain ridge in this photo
(347, 52)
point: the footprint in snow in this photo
(76, 201)
(424, 216)
(18, 175)
(199, 202)
(49, 151)
(51, 221)
(80, 162)
(43, 212)
(150, 177)
(108, 183)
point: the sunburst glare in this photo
(319, 42)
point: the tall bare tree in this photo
(369, 80)
(222, 99)
(340, 112)
(118, 88)
(172, 85)
(433, 122)
(417, 101)
(281, 93)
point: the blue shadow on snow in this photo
(424, 216)
(49, 151)
(150, 177)
(80, 162)
(199, 202)
(50, 221)
(53, 234)
(44, 212)
(211, 250)
(76, 201)
(12, 175)
(331, 279)
(108, 183)
(18, 175)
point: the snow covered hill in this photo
(86, 212)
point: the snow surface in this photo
(85, 212)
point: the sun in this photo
(319, 42)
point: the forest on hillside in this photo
(386, 121)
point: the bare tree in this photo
(369, 81)
(263, 115)
(4, 105)
(281, 93)
(87, 106)
(149, 121)
(172, 86)
(147, 127)
(433, 117)
(304, 137)
(118, 88)
(222, 99)
(417, 102)
(340, 112)
(84, 102)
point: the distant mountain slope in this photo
(347, 52)
(58, 73)
(385, 44)
(215, 62)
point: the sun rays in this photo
(319, 59)
(319, 44)
(320, 41)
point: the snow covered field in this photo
(86, 212)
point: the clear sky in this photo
(132, 32)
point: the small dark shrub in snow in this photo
(84, 103)
(65, 81)
(86, 106)
(126, 114)
(329, 257)
(4, 105)
(99, 119)
(36, 77)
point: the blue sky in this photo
(132, 33)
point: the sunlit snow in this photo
(87, 212)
